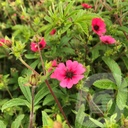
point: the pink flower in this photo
(107, 39)
(34, 46)
(98, 26)
(53, 65)
(86, 6)
(53, 32)
(2, 41)
(6, 42)
(68, 74)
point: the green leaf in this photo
(67, 50)
(80, 117)
(105, 84)
(31, 56)
(115, 69)
(25, 89)
(96, 122)
(121, 99)
(83, 27)
(48, 99)
(47, 18)
(15, 102)
(47, 121)
(125, 60)
(17, 122)
(67, 10)
(123, 28)
(41, 93)
(2, 125)
(64, 41)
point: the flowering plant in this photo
(63, 64)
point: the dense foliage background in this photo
(98, 100)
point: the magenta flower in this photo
(53, 65)
(53, 32)
(86, 6)
(107, 39)
(34, 46)
(98, 26)
(68, 74)
(4, 41)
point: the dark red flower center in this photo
(69, 74)
(96, 27)
(106, 42)
(40, 46)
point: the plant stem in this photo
(29, 67)
(49, 87)
(51, 91)
(31, 119)
(57, 101)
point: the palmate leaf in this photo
(115, 69)
(105, 84)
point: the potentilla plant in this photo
(63, 64)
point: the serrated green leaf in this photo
(47, 18)
(83, 27)
(2, 125)
(17, 122)
(40, 94)
(47, 121)
(25, 89)
(15, 102)
(48, 98)
(125, 60)
(80, 117)
(121, 99)
(96, 122)
(105, 84)
(123, 28)
(68, 8)
(115, 69)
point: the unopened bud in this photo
(57, 124)
(126, 122)
(33, 80)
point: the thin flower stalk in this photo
(51, 91)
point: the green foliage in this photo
(15, 102)
(115, 69)
(17, 122)
(102, 100)
(105, 84)
(25, 89)
(2, 124)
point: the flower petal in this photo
(66, 83)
